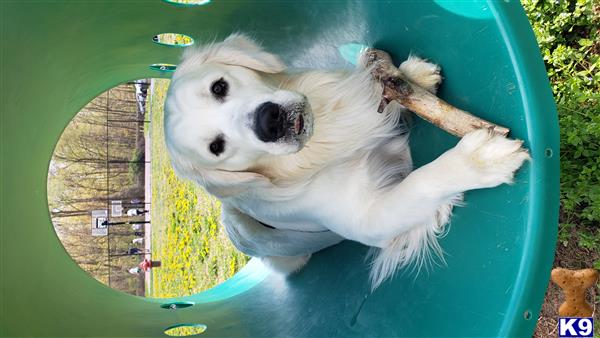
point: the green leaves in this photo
(567, 32)
(584, 43)
(568, 35)
(580, 156)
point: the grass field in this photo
(186, 236)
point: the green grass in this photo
(186, 236)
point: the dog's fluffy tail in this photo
(417, 247)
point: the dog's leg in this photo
(406, 219)
(284, 251)
(423, 73)
(418, 246)
(480, 160)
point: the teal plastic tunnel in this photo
(58, 55)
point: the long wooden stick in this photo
(428, 106)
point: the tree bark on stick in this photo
(426, 105)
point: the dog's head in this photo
(225, 111)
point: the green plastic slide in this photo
(58, 55)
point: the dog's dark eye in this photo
(219, 88)
(217, 146)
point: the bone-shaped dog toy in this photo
(574, 284)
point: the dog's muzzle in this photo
(276, 123)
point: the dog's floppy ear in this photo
(223, 183)
(237, 50)
(240, 50)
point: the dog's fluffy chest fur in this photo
(354, 151)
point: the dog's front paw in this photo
(491, 159)
(422, 73)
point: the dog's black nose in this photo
(269, 122)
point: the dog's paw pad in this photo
(423, 73)
(492, 158)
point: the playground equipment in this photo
(57, 56)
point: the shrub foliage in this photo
(568, 33)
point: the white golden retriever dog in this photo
(303, 160)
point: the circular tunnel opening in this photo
(186, 3)
(119, 209)
(163, 67)
(185, 330)
(173, 39)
